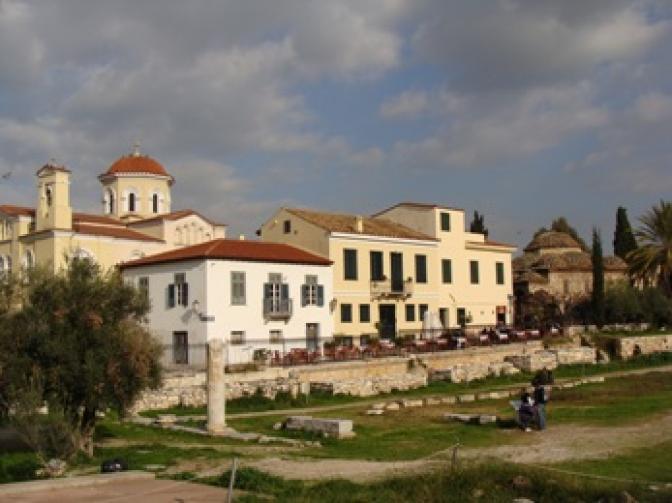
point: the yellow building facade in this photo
(395, 266)
(136, 219)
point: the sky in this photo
(524, 110)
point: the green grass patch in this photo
(492, 483)
(18, 466)
(646, 464)
(139, 456)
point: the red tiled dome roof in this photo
(136, 163)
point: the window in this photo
(275, 336)
(143, 286)
(178, 292)
(312, 293)
(376, 265)
(447, 270)
(346, 313)
(287, 226)
(422, 309)
(276, 297)
(180, 348)
(499, 272)
(410, 312)
(237, 337)
(445, 221)
(473, 271)
(350, 264)
(48, 195)
(421, 268)
(155, 203)
(28, 260)
(237, 288)
(364, 313)
(109, 202)
(131, 202)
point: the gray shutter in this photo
(304, 295)
(268, 291)
(320, 295)
(171, 295)
(284, 291)
(185, 294)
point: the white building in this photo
(254, 296)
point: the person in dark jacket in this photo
(526, 412)
(540, 396)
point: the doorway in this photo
(444, 316)
(461, 317)
(181, 348)
(388, 321)
(312, 336)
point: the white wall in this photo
(210, 284)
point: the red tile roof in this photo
(175, 215)
(231, 249)
(12, 210)
(136, 163)
(341, 222)
(98, 219)
(422, 206)
(114, 232)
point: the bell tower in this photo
(53, 210)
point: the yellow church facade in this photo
(136, 219)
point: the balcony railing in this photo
(276, 308)
(388, 288)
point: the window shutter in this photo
(185, 294)
(171, 295)
(304, 295)
(268, 291)
(320, 295)
(284, 291)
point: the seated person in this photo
(526, 412)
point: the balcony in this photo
(386, 288)
(277, 308)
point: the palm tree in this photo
(651, 263)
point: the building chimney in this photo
(359, 224)
(241, 237)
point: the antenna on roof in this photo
(136, 148)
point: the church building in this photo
(137, 219)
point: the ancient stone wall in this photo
(627, 347)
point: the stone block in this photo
(336, 428)
(466, 398)
(432, 401)
(392, 406)
(379, 406)
(462, 418)
(487, 419)
(375, 412)
(449, 400)
(411, 403)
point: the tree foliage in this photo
(651, 262)
(478, 224)
(597, 295)
(561, 224)
(624, 239)
(74, 341)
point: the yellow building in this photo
(136, 220)
(392, 268)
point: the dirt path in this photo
(557, 444)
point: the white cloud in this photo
(409, 104)
(488, 132)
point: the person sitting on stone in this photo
(526, 412)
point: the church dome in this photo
(136, 163)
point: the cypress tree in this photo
(597, 299)
(478, 224)
(624, 239)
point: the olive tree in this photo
(75, 341)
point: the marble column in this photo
(216, 388)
